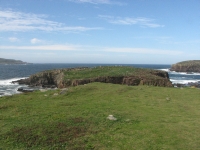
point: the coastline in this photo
(179, 79)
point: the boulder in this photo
(21, 89)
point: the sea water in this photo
(9, 73)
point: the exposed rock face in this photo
(51, 79)
(55, 78)
(186, 66)
(127, 80)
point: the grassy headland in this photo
(186, 66)
(107, 74)
(85, 73)
(148, 117)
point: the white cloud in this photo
(89, 49)
(13, 39)
(18, 21)
(143, 51)
(143, 22)
(35, 41)
(98, 2)
(92, 1)
(43, 47)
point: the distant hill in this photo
(11, 61)
(186, 66)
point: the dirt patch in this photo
(4, 107)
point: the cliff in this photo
(11, 61)
(117, 75)
(186, 66)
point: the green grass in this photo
(190, 62)
(148, 118)
(106, 71)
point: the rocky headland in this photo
(187, 66)
(11, 61)
(62, 78)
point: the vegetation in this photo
(148, 117)
(11, 61)
(190, 62)
(187, 66)
(106, 71)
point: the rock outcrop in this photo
(49, 79)
(56, 78)
(186, 66)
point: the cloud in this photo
(92, 1)
(98, 49)
(141, 21)
(35, 41)
(18, 21)
(143, 51)
(99, 2)
(125, 50)
(13, 39)
(43, 47)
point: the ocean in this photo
(9, 73)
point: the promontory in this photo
(11, 61)
(108, 74)
(186, 66)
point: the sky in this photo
(100, 31)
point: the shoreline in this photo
(184, 80)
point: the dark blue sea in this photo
(9, 73)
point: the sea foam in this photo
(9, 81)
(8, 88)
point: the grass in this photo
(106, 71)
(148, 118)
(190, 62)
(187, 66)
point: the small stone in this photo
(55, 94)
(111, 117)
(43, 90)
(167, 98)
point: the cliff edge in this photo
(186, 66)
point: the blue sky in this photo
(100, 31)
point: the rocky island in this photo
(11, 61)
(62, 78)
(186, 66)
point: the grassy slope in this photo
(147, 118)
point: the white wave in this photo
(9, 81)
(9, 89)
(184, 73)
(7, 94)
(183, 81)
(167, 70)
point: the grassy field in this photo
(148, 118)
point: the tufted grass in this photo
(148, 118)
